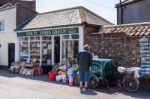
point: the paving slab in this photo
(14, 86)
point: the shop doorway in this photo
(11, 53)
(57, 49)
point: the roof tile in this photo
(70, 16)
(139, 29)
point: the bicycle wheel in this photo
(93, 82)
(131, 84)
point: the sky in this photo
(104, 8)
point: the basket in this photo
(130, 72)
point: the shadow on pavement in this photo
(140, 94)
(88, 92)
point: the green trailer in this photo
(100, 70)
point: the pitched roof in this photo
(6, 6)
(70, 16)
(28, 3)
(139, 29)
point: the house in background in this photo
(128, 44)
(31, 4)
(133, 11)
(122, 42)
(12, 15)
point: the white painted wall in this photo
(9, 35)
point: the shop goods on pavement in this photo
(145, 56)
(26, 69)
(67, 74)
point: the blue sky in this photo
(104, 8)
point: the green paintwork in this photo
(49, 32)
(101, 68)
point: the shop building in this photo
(53, 37)
(11, 16)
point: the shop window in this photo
(46, 50)
(35, 50)
(35, 38)
(46, 38)
(65, 36)
(70, 49)
(75, 36)
(24, 55)
(2, 25)
(32, 47)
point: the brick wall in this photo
(28, 4)
(119, 47)
(23, 14)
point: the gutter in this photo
(121, 13)
(127, 3)
(80, 24)
(25, 22)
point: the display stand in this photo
(145, 56)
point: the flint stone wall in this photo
(122, 49)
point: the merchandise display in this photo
(24, 48)
(26, 69)
(145, 56)
(15, 67)
(68, 74)
(36, 47)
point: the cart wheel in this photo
(93, 82)
(131, 84)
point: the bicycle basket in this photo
(130, 72)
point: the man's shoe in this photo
(81, 89)
(86, 88)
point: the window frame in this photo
(2, 25)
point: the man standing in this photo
(84, 61)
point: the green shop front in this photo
(50, 46)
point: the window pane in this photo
(1, 25)
(65, 36)
(75, 36)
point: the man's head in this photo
(86, 47)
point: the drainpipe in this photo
(121, 13)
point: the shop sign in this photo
(49, 32)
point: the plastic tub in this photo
(52, 76)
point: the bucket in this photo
(52, 76)
(70, 80)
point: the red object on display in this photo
(52, 76)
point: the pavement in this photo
(14, 86)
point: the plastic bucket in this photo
(52, 76)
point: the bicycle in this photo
(113, 75)
(127, 79)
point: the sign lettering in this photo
(49, 32)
